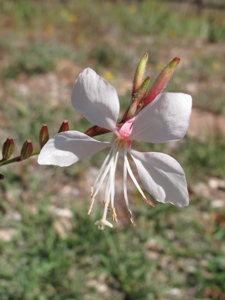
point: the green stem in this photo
(93, 131)
(17, 158)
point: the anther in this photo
(114, 215)
(91, 205)
(148, 201)
(92, 191)
(131, 218)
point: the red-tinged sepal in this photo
(26, 150)
(161, 81)
(64, 126)
(44, 135)
(96, 130)
(8, 148)
(139, 74)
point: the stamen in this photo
(125, 182)
(149, 202)
(102, 177)
(92, 201)
(106, 209)
(112, 178)
(114, 215)
(110, 189)
(92, 191)
(102, 173)
(91, 205)
(108, 170)
(104, 203)
(133, 177)
(108, 185)
(131, 218)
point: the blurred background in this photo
(49, 248)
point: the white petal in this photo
(162, 176)
(164, 119)
(96, 99)
(68, 147)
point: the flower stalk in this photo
(27, 149)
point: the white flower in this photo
(164, 119)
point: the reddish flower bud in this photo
(44, 135)
(161, 81)
(8, 148)
(96, 130)
(26, 150)
(64, 126)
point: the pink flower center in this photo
(124, 133)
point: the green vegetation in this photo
(49, 247)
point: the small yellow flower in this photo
(67, 16)
(50, 29)
(72, 18)
(216, 66)
(132, 8)
(108, 75)
(172, 34)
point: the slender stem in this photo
(17, 158)
(93, 131)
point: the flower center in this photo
(106, 174)
(123, 142)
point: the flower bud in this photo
(137, 103)
(8, 148)
(161, 81)
(1, 176)
(64, 126)
(96, 130)
(139, 74)
(142, 90)
(44, 135)
(26, 150)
